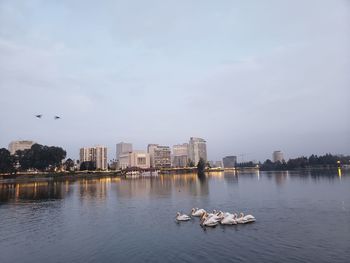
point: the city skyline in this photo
(250, 78)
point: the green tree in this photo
(69, 164)
(201, 167)
(41, 157)
(190, 163)
(7, 161)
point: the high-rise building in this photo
(138, 159)
(197, 149)
(162, 157)
(150, 150)
(101, 158)
(19, 146)
(97, 155)
(123, 148)
(277, 156)
(87, 154)
(180, 155)
(229, 161)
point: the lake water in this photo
(301, 217)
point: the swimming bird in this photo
(229, 220)
(209, 221)
(245, 219)
(197, 212)
(182, 217)
(248, 218)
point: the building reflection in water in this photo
(162, 185)
(45, 190)
(231, 177)
(281, 177)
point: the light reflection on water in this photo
(302, 216)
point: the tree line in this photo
(313, 161)
(38, 158)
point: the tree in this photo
(7, 162)
(69, 164)
(88, 165)
(201, 167)
(41, 157)
(190, 163)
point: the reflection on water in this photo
(147, 187)
(132, 219)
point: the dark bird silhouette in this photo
(57, 117)
(39, 116)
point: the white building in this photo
(180, 155)
(197, 149)
(123, 148)
(139, 159)
(162, 157)
(277, 156)
(101, 158)
(19, 146)
(150, 149)
(97, 154)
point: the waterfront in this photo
(301, 217)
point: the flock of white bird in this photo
(215, 218)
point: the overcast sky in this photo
(248, 76)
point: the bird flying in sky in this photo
(57, 117)
(39, 116)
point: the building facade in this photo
(97, 155)
(150, 149)
(122, 148)
(19, 146)
(180, 155)
(162, 157)
(277, 156)
(139, 159)
(229, 161)
(197, 149)
(101, 158)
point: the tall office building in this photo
(87, 154)
(229, 161)
(150, 150)
(197, 149)
(101, 157)
(123, 148)
(19, 146)
(162, 157)
(277, 156)
(180, 155)
(97, 154)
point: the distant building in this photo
(150, 150)
(138, 159)
(229, 161)
(123, 148)
(180, 155)
(277, 156)
(19, 146)
(218, 164)
(197, 149)
(101, 158)
(97, 155)
(162, 157)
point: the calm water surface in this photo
(301, 217)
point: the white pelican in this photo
(207, 220)
(245, 219)
(229, 220)
(197, 212)
(183, 217)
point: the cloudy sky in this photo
(248, 76)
